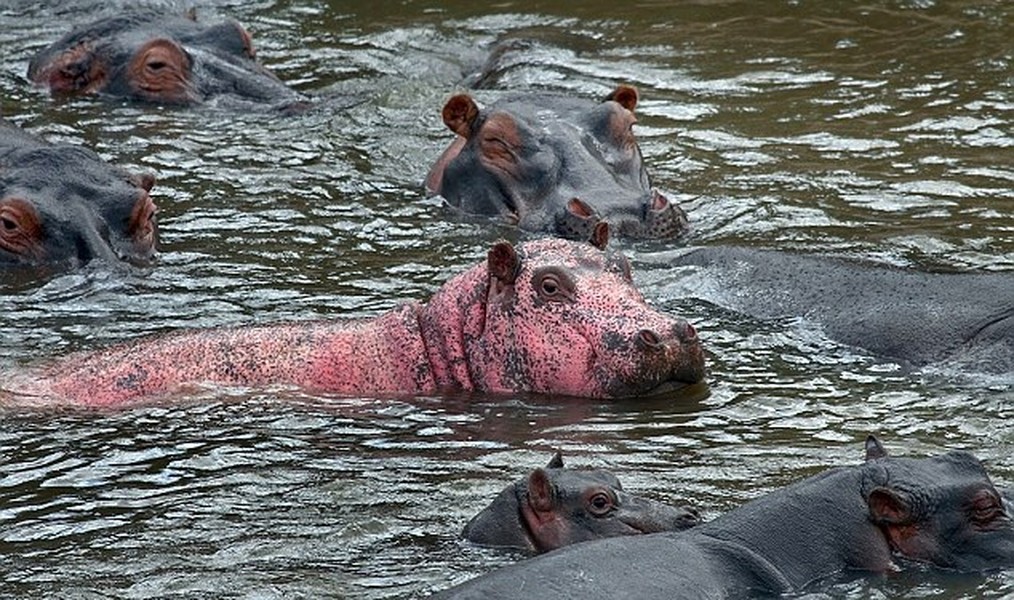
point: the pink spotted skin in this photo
(551, 317)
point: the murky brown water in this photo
(880, 130)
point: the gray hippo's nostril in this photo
(659, 202)
(577, 221)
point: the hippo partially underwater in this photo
(148, 56)
(62, 206)
(556, 506)
(878, 517)
(552, 163)
(550, 316)
(914, 317)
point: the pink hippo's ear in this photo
(556, 462)
(540, 492)
(874, 449)
(460, 114)
(625, 96)
(503, 263)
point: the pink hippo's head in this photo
(556, 317)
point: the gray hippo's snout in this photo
(657, 218)
(662, 218)
(648, 516)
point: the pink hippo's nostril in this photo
(648, 338)
(689, 333)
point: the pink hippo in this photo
(550, 316)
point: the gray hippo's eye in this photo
(600, 504)
(987, 508)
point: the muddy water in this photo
(881, 130)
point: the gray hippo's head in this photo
(62, 206)
(553, 163)
(942, 510)
(148, 56)
(557, 506)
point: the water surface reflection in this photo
(876, 131)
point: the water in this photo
(881, 131)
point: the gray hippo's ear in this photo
(460, 114)
(556, 462)
(874, 449)
(145, 181)
(625, 96)
(77, 69)
(889, 507)
(503, 262)
(540, 492)
(600, 235)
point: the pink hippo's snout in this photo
(665, 357)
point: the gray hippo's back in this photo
(911, 316)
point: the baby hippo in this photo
(557, 506)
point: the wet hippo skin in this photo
(906, 315)
(550, 316)
(148, 56)
(556, 506)
(62, 206)
(553, 163)
(881, 516)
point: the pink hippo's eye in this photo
(553, 284)
(550, 286)
(600, 504)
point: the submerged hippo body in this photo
(62, 206)
(148, 56)
(913, 317)
(558, 506)
(551, 317)
(941, 511)
(552, 163)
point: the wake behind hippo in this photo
(553, 163)
(147, 56)
(61, 206)
(550, 316)
(878, 517)
(556, 506)
(918, 318)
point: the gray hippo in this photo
(877, 517)
(62, 206)
(551, 316)
(557, 506)
(148, 56)
(552, 163)
(913, 317)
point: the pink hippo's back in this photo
(347, 357)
